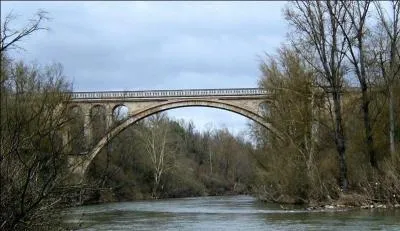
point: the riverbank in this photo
(345, 201)
(96, 195)
(90, 196)
(338, 206)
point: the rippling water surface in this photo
(224, 213)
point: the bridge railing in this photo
(169, 93)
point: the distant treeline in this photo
(159, 157)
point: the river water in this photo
(225, 213)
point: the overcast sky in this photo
(157, 45)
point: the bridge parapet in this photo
(170, 93)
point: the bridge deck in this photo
(170, 93)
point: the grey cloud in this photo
(164, 45)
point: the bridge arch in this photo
(119, 112)
(133, 118)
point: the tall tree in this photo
(388, 56)
(32, 115)
(318, 39)
(354, 30)
(295, 112)
(32, 155)
(157, 139)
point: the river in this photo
(225, 213)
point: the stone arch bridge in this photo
(141, 104)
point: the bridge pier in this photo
(76, 167)
(87, 130)
(109, 118)
(65, 140)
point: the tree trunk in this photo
(391, 122)
(367, 125)
(211, 169)
(155, 186)
(340, 140)
(313, 132)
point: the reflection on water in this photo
(224, 213)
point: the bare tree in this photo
(157, 140)
(387, 55)
(354, 30)
(32, 154)
(32, 115)
(318, 39)
(10, 37)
